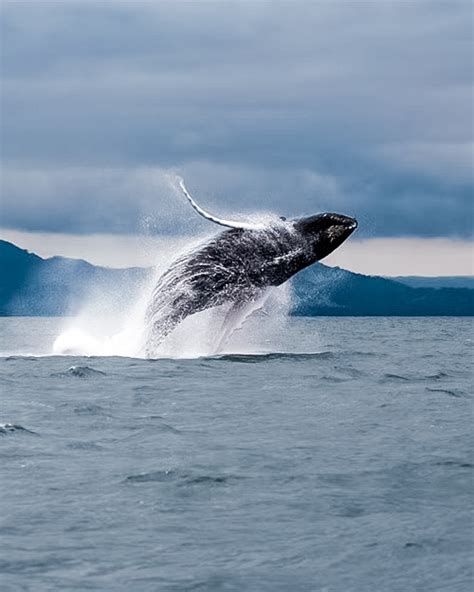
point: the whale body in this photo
(238, 265)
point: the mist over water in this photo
(199, 335)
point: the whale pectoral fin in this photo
(238, 315)
(215, 219)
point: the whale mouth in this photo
(324, 222)
(340, 220)
(339, 227)
(351, 223)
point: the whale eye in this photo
(283, 218)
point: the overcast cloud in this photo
(293, 107)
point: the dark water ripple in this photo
(395, 377)
(11, 428)
(451, 393)
(79, 372)
(90, 409)
(182, 478)
(278, 356)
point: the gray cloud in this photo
(290, 106)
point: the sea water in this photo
(333, 455)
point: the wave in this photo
(79, 372)
(11, 428)
(256, 358)
(182, 478)
(250, 358)
(449, 392)
(415, 378)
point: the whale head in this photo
(323, 233)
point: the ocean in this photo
(336, 458)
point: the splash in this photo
(164, 322)
(105, 327)
(258, 328)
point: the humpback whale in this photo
(238, 265)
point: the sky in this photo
(362, 108)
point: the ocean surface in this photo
(343, 463)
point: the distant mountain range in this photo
(33, 286)
(458, 281)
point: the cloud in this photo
(254, 101)
(447, 162)
(145, 199)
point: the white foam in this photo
(105, 327)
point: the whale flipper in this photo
(212, 218)
(239, 314)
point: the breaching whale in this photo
(238, 265)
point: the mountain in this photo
(329, 291)
(457, 281)
(34, 286)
